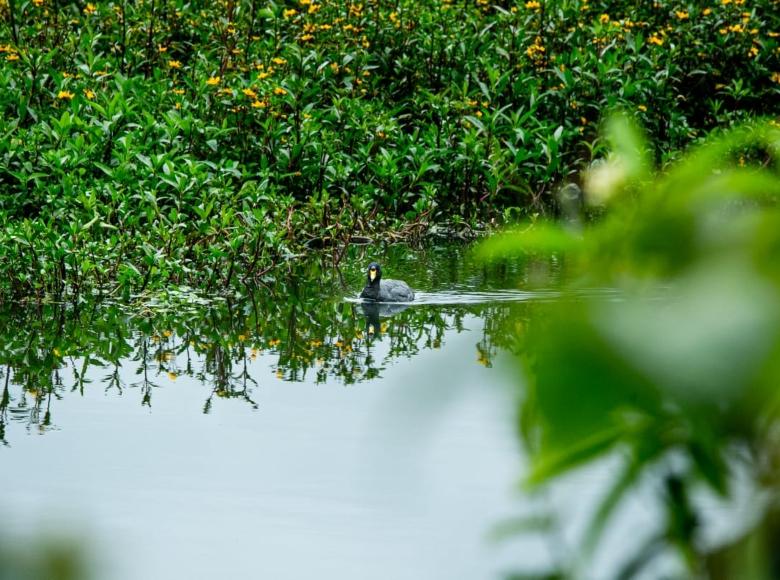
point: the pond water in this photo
(290, 432)
(285, 434)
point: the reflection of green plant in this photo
(685, 364)
(310, 335)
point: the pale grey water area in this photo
(400, 478)
(285, 437)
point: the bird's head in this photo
(374, 273)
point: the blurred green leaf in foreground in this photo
(678, 376)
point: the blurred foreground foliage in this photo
(677, 378)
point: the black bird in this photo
(385, 291)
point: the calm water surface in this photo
(283, 435)
(290, 432)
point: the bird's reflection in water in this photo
(373, 311)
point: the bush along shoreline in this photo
(163, 142)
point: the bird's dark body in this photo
(385, 290)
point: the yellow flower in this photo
(172, 375)
(604, 18)
(90, 9)
(213, 81)
(259, 104)
(532, 5)
(775, 77)
(279, 61)
(249, 93)
(174, 63)
(56, 352)
(178, 91)
(655, 39)
(725, 2)
(12, 57)
(307, 37)
(682, 14)
(65, 95)
(290, 12)
(263, 75)
(707, 11)
(313, 8)
(642, 108)
(90, 94)
(162, 49)
(280, 91)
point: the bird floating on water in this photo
(385, 291)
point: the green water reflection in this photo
(303, 320)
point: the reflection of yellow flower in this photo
(172, 375)
(274, 342)
(279, 374)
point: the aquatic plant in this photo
(159, 143)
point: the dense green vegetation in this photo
(678, 379)
(162, 141)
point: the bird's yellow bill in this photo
(372, 274)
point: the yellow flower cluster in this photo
(655, 39)
(536, 51)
